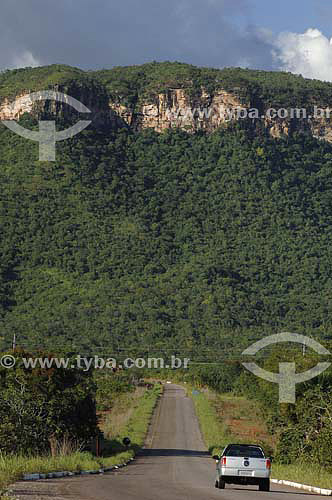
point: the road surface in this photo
(175, 465)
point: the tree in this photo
(40, 406)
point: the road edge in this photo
(312, 489)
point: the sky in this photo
(290, 35)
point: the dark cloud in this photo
(103, 33)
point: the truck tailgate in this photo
(244, 464)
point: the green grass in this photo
(12, 467)
(310, 474)
(137, 426)
(215, 432)
(141, 416)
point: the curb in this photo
(312, 489)
(55, 475)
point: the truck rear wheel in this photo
(221, 484)
(264, 485)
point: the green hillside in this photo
(188, 241)
(12, 82)
(131, 84)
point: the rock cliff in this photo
(173, 108)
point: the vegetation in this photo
(112, 388)
(40, 408)
(215, 433)
(134, 84)
(113, 421)
(296, 434)
(13, 466)
(13, 82)
(137, 425)
(244, 420)
(145, 244)
(153, 241)
(301, 473)
(226, 418)
(303, 430)
(131, 85)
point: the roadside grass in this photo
(115, 420)
(12, 467)
(215, 432)
(135, 428)
(225, 418)
(310, 474)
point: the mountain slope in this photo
(173, 239)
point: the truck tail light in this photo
(223, 461)
(268, 463)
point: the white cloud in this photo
(308, 54)
(17, 58)
(24, 59)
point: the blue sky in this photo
(293, 15)
(102, 33)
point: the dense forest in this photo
(194, 242)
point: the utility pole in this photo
(303, 349)
(14, 341)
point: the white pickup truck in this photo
(243, 464)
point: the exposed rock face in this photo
(13, 110)
(176, 109)
(322, 129)
(121, 115)
(172, 109)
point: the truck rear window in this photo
(243, 451)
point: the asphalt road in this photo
(175, 465)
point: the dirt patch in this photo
(243, 420)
